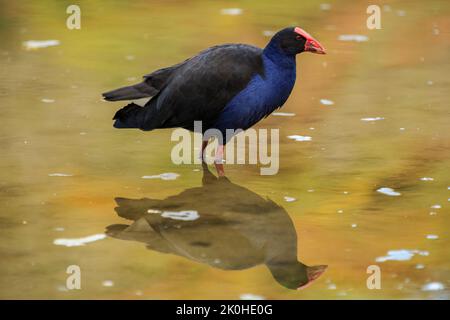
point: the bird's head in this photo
(294, 274)
(295, 40)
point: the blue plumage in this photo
(263, 94)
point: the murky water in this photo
(370, 187)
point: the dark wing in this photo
(201, 87)
(151, 85)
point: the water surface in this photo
(68, 178)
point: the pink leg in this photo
(218, 162)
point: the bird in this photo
(229, 86)
(236, 232)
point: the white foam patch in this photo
(163, 176)
(46, 100)
(251, 296)
(433, 286)
(372, 119)
(38, 44)
(185, 215)
(326, 102)
(231, 11)
(436, 206)
(432, 236)
(76, 242)
(108, 283)
(59, 174)
(401, 255)
(331, 286)
(353, 37)
(268, 33)
(427, 179)
(389, 192)
(289, 199)
(283, 114)
(300, 138)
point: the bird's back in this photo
(198, 89)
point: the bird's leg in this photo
(202, 152)
(218, 162)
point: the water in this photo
(64, 169)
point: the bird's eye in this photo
(298, 37)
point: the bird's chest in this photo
(262, 96)
(275, 87)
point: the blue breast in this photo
(262, 95)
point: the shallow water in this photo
(64, 169)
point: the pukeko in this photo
(230, 86)
(236, 232)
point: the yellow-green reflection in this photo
(53, 121)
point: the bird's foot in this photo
(219, 168)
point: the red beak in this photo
(311, 45)
(313, 274)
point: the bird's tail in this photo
(130, 116)
(137, 91)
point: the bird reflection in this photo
(220, 224)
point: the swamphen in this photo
(231, 86)
(236, 232)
